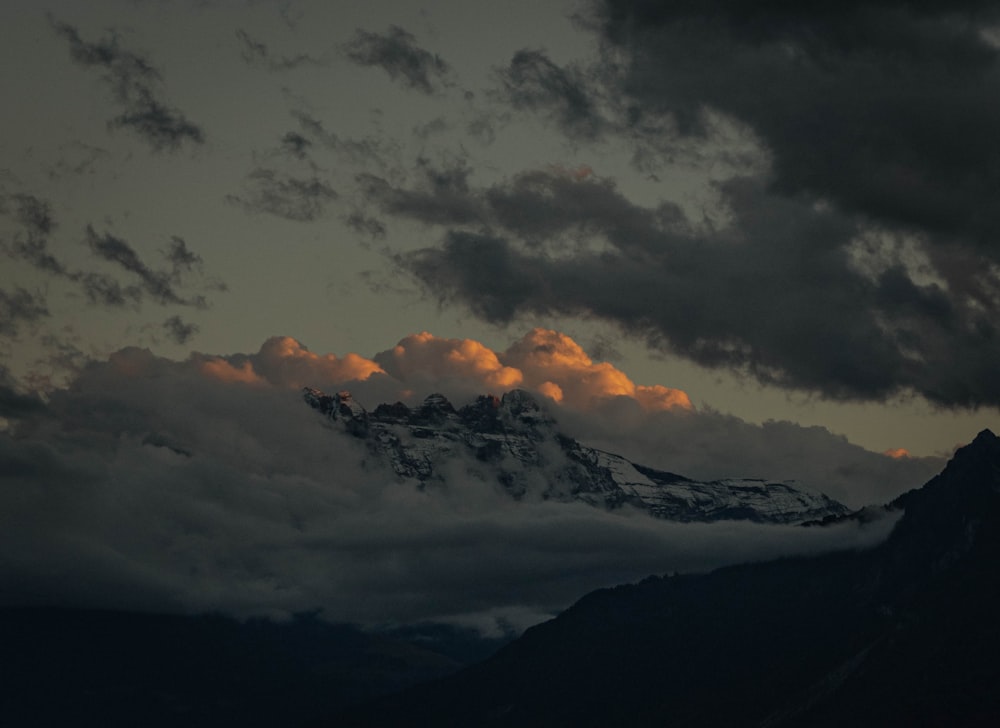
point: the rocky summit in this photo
(513, 441)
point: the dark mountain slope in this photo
(80, 667)
(904, 634)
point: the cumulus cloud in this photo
(134, 82)
(155, 484)
(557, 366)
(426, 360)
(396, 52)
(285, 362)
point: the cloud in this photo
(299, 199)
(256, 54)
(369, 151)
(441, 196)
(424, 359)
(15, 403)
(397, 53)
(790, 292)
(532, 82)
(154, 484)
(855, 257)
(887, 110)
(30, 243)
(555, 365)
(284, 362)
(709, 445)
(179, 331)
(134, 83)
(19, 307)
(160, 285)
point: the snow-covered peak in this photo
(516, 438)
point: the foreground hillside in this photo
(904, 634)
(64, 667)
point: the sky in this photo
(725, 239)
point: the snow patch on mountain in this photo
(514, 439)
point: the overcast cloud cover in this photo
(789, 207)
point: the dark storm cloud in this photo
(20, 307)
(858, 256)
(256, 54)
(397, 53)
(176, 486)
(300, 199)
(179, 331)
(135, 84)
(888, 109)
(780, 293)
(565, 95)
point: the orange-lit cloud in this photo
(426, 358)
(551, 362)
(897, 453)
(285, 362)
(544, 361)
(221, 370)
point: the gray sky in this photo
(720, 222)
(720, 241)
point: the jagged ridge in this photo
(515, 437)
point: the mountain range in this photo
(513, 442)
(906, 633)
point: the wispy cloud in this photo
(565, 95)
(134, 83)
(257, 54)
(29, 243)
(396, 52)
(300, 199)
(18, 307)
(180, 331)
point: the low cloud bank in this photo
(161, 485)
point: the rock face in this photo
(903, 634)
(513, 441)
